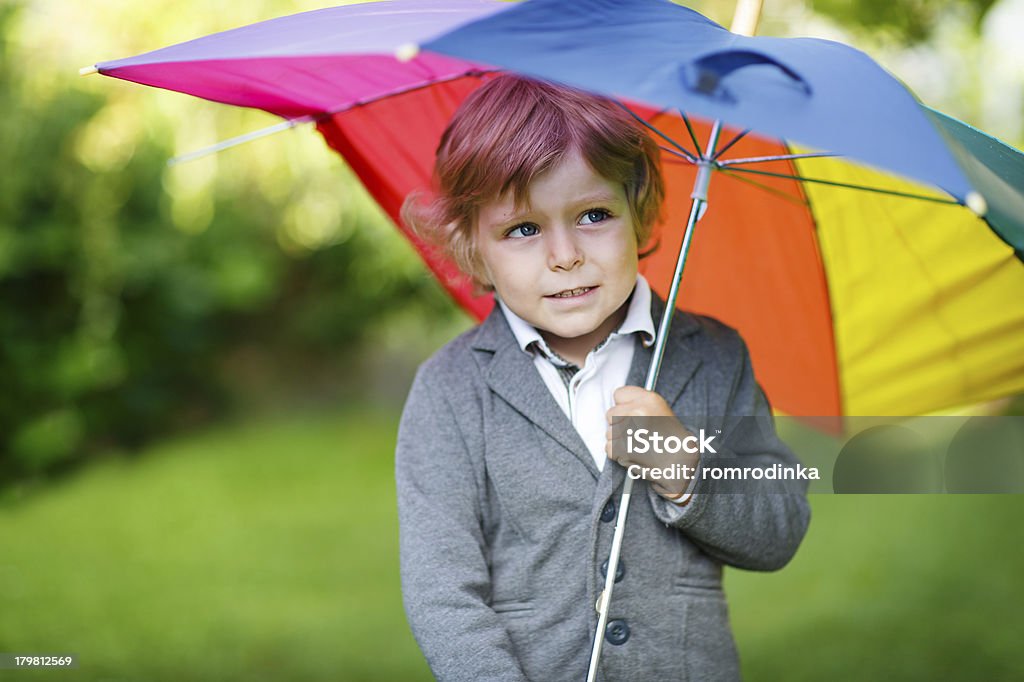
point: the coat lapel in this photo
(510, 374)
(679, 354)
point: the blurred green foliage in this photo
(908, 21)
(135, 298)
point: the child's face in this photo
(566, 261)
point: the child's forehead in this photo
(570, 177)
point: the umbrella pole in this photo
(699, 198)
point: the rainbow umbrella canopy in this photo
(869, 249)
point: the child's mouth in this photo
(572, 293)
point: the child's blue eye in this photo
(595, 215)
(524, 230)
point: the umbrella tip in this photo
(977, 204)
(407, 52)
(88, 70)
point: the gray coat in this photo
(505, 520)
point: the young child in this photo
(506, 497)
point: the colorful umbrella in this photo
(852, 302)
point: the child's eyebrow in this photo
(516, 216)
(597, 198)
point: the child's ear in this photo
(481, 288)
(482, 279)
(651, 246)
(478, 276)
(476, 266)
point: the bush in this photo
(128, 290)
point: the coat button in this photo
(617, 632)
(620, 570)
(608, 513)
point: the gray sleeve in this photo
(757, 525)
(445, 575)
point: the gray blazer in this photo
(505, 520)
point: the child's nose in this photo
(564, 252)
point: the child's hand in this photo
(633, 401)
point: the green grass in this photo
(899, 587)
(257, 552)
(269, 552)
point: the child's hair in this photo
(510, 130)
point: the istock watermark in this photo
(642, 441)
(849, 455)
(660, 449)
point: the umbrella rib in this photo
(686, 157)
(771, 190)
(401, 90)
(693, 135)
(779, 157)
(242, 139)
(737, 138)
(833, 183)
(683, 150)
(313, 118)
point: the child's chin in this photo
(573, 332)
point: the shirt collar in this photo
(638, 315)
(638, 320)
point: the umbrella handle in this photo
(746, 17)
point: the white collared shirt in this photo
(588, 395)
